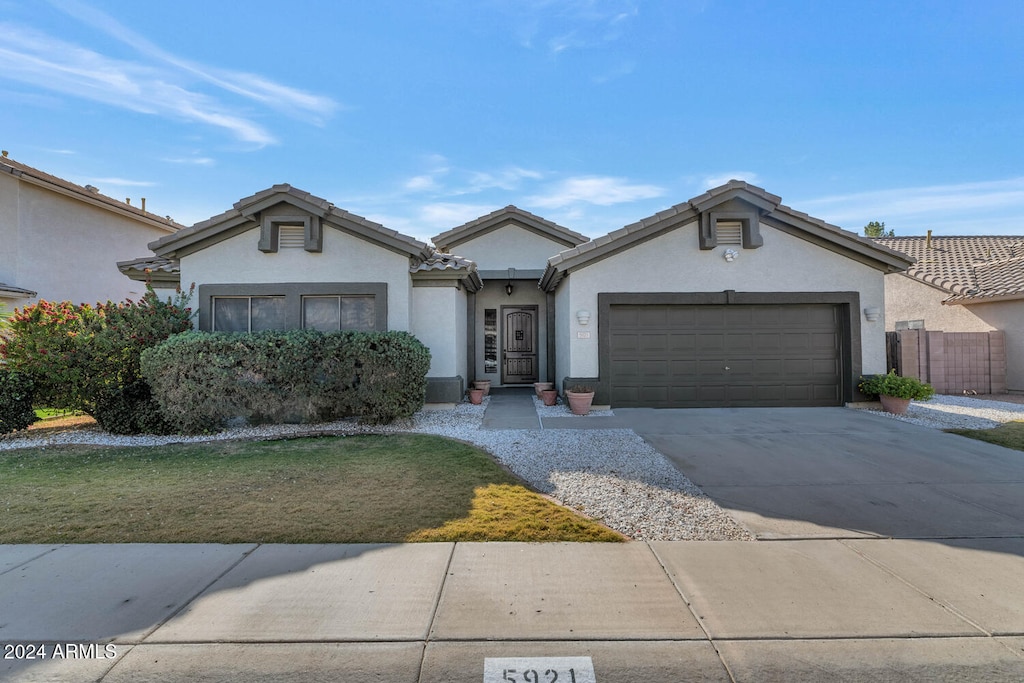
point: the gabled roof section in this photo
(769, 210)
(87, 194)
(971, 269)
(155, 270)
(446, 266)
(244, 216)
(502, 217)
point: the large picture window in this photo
(333, 313)
(324, 306)
(249, 313)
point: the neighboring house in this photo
(730, 299)
(962, 284)
(59, 241)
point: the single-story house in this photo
(962, 284)
(729, 299)
(59, 241)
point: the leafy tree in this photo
(876, 229)
(87, 357)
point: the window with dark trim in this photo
(290, 306)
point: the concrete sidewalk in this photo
(810, 610)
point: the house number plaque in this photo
(539, 670)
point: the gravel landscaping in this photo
(609, 474)
(958, 412)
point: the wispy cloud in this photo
(160, 83)
(971, 206)
(711, 181)
(124, 182)
(599, 190)
(190, 161)
(561, 25)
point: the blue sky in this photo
(594, 114)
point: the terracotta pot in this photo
(579, 403)
(484, 384)
(550, 397)
(896, 406)
(541, 386)
(476, 396)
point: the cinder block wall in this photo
(952, 362)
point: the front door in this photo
(519, 355)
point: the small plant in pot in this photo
(484, 384)
(580, 398)
(896, 392)
(549, 396)
(476, 396)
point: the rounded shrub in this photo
(16, 398)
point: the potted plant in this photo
(484, 384)
(541, 386)
(896, 392)
(476, 396)
(549, 396)
(580, 398)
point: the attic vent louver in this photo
(730, 233)
(292, 237)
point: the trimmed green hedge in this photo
(16, 394)
(202, 380)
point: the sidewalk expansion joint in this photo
(433, 612)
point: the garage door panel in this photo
(676, 355)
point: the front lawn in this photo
(353, 489)
(1010, 435)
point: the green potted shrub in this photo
(896, 392)
(580, 398)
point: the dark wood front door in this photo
(519, 355)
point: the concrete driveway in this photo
(790, 473)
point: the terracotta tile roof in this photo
(86, 193)
(970, 268)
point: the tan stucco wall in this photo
(344, 258)
(509, 246)
(439, 321)
(65, 249)
(674, 263)
(909, 299)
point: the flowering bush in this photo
(87, 357)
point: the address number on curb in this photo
(539, 670)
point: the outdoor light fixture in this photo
(730, 255)
(872, 314)
(511, 275)
(583, 317)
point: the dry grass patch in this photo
(357, 489)
(1010, 435)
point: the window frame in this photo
(293, 293)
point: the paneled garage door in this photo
(691, 356)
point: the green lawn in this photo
(1010, 434)
(354, 489)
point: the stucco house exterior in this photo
(59, 241)
(730, 299)
(962, 284)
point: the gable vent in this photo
(291, 237)
(730, 233)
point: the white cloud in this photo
(124, 182)
(420, 183)
(447, 215)
(990, 207)
(712, 181)
(599, 190)
(160, 83)
(191, 161)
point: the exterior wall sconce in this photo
(511, 275)
(583, 317)
(872, 314)
(730, 255)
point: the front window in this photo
(333, 313)
(249, 313)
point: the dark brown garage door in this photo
(691, 356)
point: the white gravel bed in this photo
(561, 409)
(958, 412)
(611, 475)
